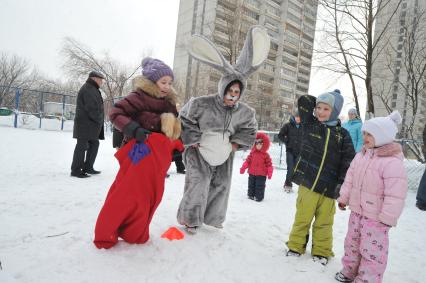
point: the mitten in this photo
(342, 206)
(243, 167)
(141, 134)
(270, 169)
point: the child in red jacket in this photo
(259, 166)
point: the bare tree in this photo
(13, 70)
(352, 45)
(80, 60)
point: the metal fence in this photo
(44, 105)
(25, 105)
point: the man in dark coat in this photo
(88, 126)
(290, 135)
(421, 192)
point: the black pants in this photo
(85, 153)
(177, 158)
(291, 162)
(256, 187)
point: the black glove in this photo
(134, 130)
(141, 134)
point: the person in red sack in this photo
(148, 119)
(259, 167)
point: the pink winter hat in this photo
(383, 129)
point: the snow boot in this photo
(288, 189)
(320, 259)
(342, 278)
(191, 230)
(292, 253)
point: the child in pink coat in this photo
(259, 166)
(375, 188)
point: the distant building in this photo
(390, 67)
(274, 88)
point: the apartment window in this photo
(273, 10)
(309, 21)
(295, 7)
(290, 62)
(254, 3)
(291, 52)
(309, 12)
(285, 71)
(251, 14)
(302, 89)
(306, 65)
(293, 30)
(278, 2)
(306, 55)
(304, 73)
(269, 67)
(313, 3)
(272, 24)
(266, 79)
(393, 104)
(303, 81)
(306, 45)
(308, 38)
(287, 83)
(294, 18)
(308, 29)
(273, 34)
(292, 38)
(272, 57)
(286, 94)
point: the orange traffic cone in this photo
(173, 233)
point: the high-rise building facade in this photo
(399, 58)
(284, 76)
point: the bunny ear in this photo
(255, 50)
(204, 50)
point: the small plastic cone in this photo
(173, 233)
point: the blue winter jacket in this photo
(354, 129)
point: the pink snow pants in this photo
(366, 249)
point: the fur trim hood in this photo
(266, 142)
(140, 83)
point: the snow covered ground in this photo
(47, 220)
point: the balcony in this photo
(228, 4)
(303, 76)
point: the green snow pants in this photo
(310, 204)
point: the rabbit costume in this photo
(213, 127)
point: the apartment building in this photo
(274, 88)
(403, 36)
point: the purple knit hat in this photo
(154, 69)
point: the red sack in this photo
(135, 193)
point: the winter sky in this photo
(126, 29)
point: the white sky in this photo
(126, 29)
